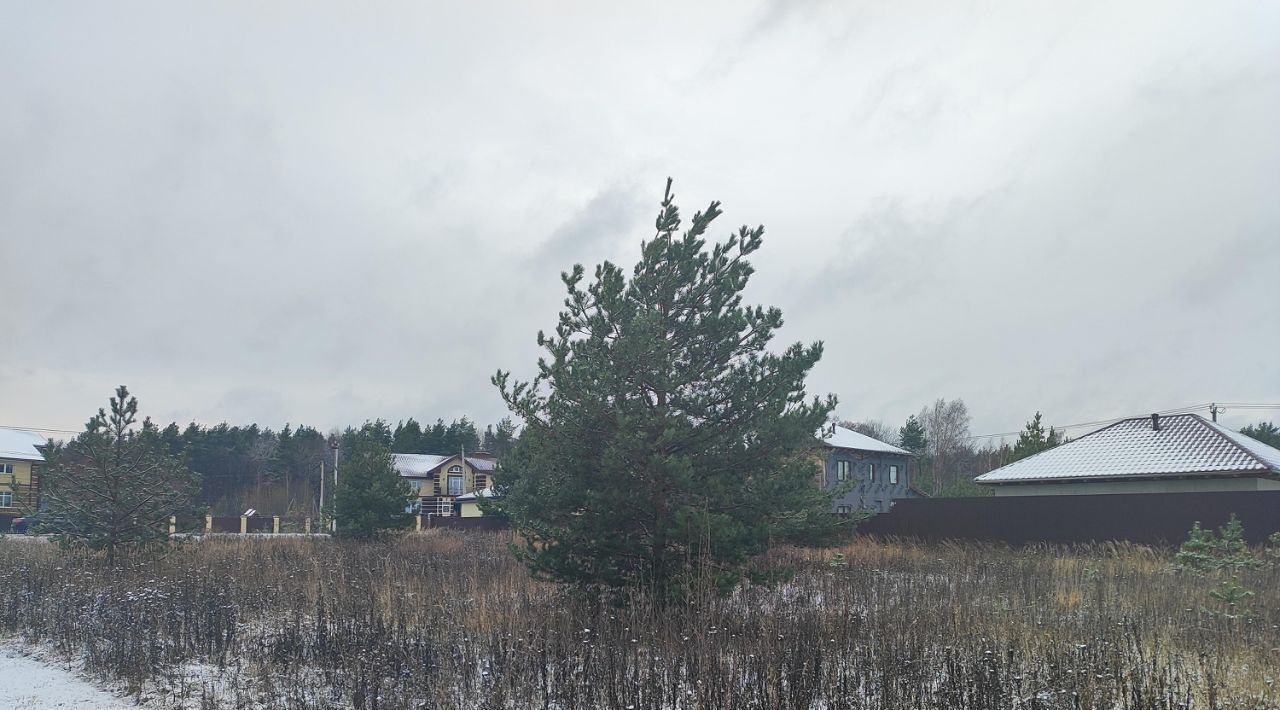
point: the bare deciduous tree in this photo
(947, 427)
(873, 428)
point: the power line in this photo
(1101, 422)
(40, 429)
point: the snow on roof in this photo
(417, 465)
(842, 438)
(481, 464)
(421, 465)
(20, 445)
(482, 493)
(1185, 444)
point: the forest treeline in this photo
(278, 472)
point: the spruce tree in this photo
(662, 439)
(371, 497)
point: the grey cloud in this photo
(319, 214)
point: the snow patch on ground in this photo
(38, 681)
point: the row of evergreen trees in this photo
(277, 472)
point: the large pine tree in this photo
(662, 439)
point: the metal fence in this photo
(1151, 518)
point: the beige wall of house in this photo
(1180, 485)
(15, 488)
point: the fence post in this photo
(306, 525)
(275, 525)
(417, 523)
(173, 524)
(244, 524)
(208, 524)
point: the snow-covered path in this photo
(34, 684)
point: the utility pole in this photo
(335, 485)
(321, 487)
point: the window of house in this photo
(6, 499)
(844, 509)
(893, 474)
(443, 506)
(6, 468)
(842, 470)
(871, 472)
(455, 484)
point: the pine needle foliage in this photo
(1205, 552)
(113, 488)
(662, 436)
(371, 497)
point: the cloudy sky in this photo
(326, 212)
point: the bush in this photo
(1205, 552)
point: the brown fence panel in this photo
(259, 524)
(1152, 518)
(226, 523)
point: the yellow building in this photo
(438, 481)
(20, 460)
(469, 503)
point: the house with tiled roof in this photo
(20, 460)
(872, 473)
(1173, 454)
(439, 480)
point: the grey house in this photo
(876, 471)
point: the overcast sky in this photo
(326, 212)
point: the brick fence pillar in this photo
(173, 524)
(244, 524)
(208, 523)
(306, 525)
(275, 524)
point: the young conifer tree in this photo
(113, 487)
(663, 440)
(371, 497)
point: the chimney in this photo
(1155, 422)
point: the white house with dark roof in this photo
(1175, 454)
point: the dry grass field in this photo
(441, 620)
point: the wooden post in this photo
(275, 525)
(244, 524)
(208, 524)
(173, 524)
(306, 525)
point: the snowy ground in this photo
(38, 682)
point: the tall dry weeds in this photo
(444, 620)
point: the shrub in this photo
(1205, 552)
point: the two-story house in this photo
(20, 460)
(439, 480)
(875, 472)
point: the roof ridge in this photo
(1214, 427)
